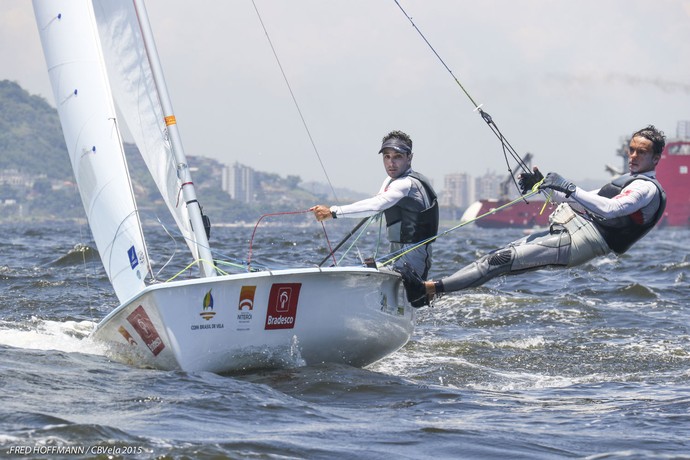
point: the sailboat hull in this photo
(275, 319)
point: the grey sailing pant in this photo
(572, 240)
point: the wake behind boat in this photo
(101, 54)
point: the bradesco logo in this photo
(141, 323)
(282, 306)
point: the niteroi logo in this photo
(245, 306)
(246, 298)
(208, 312)
(282, 306)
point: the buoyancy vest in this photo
(410, 220)
(620, 233)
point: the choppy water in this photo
(583, 363)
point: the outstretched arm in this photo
(387, 197)
(634, 197)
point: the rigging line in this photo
(167, 262)
(335, 262)
(251, 241)
(343, 240)
(477, 107)
(294, 100)
(192, 264)
(368, 222)
(237, 264)
(409, 18)
(398, 254)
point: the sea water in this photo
(591, 362)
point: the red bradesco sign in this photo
(282, 306)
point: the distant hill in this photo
(36, 176)
(30, 134)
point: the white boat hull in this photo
(275, 319)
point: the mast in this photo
(188, 192)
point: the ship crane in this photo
(505, 185)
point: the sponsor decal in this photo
(282, 306)
(247, 298)
(207, 306)
(244, 307)
(141, 323)
(133, 258)
(207, 312)
(128, 337)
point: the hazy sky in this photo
(564, 80)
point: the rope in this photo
(294, 100)
(507, 147)
(398, 254)
(251, 241)
(361, 232)
(193, 263)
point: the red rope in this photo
(179, 192)
(251, 242)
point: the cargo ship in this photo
(672, 171)
(674, 175)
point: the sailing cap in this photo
(396, 144)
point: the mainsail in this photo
(85, 106)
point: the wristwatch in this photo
(333, 215)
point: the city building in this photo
(239, 182)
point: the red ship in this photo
(673, 172)
(520, 215)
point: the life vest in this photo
(409, 220)
(622, 232)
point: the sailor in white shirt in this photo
(584, 226)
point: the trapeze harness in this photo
(411, 221)
(620, 233)
(573, 239)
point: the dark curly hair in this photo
(398, 135)
(654, 135)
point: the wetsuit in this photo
(587, 225)
(411, 209)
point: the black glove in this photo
(527, 180)
(558, 183)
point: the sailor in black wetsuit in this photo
(584, 226)
(407, 200)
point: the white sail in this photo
(84, 103)
(215, 323)
(137, 101)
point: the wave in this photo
(38, 334)
(79, 254)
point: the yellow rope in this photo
(534, 191)
(197, 261)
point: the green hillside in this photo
(35, 172)
(30, 135)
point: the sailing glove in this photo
(527, 180)
(558, 183)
